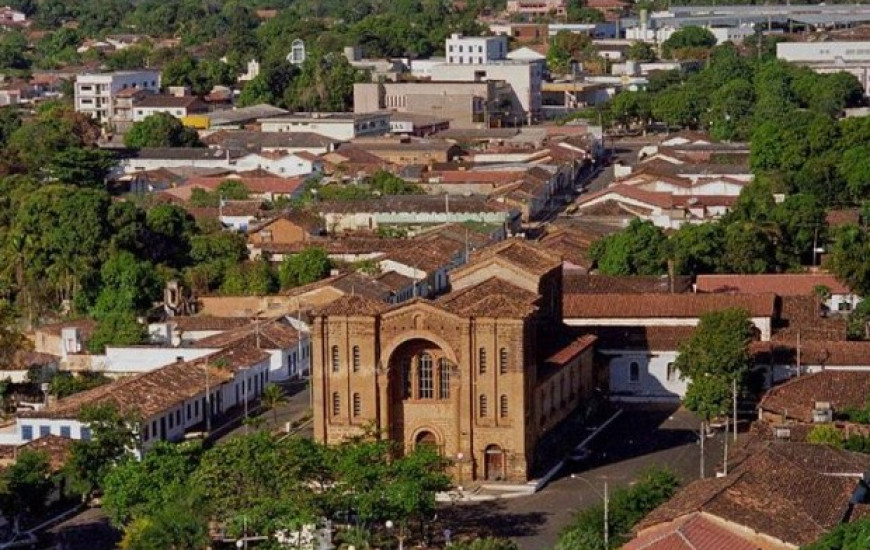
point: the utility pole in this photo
(734, 391)
(207, 402)
(606, 517)
(703, 436)
(725, 452)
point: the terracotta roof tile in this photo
(56, 447)
(691, 532)
(647, 306)
(783, 284)
(271, 335)
(153, 392)
(793, 492)
(642, 338)
(604, 284)
(526, 255)
(493, 297)
(209, 323)
(797, 397)
(353, 305)
(572, 350)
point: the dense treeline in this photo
(800, 147)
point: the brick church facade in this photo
(482, 373)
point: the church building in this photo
(482, 373)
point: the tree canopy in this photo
(161, 130)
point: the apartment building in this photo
(95, 93)
(475, 50)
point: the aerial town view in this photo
(431, 274)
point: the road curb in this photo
(554, 471)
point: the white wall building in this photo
(338, 126)
(524, 78)
(95, 93)
(830, 57)
(475, 50)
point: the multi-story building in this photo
(482, 373)
(537, 7)
(463, 104)
(95, 93)
(475, 50)
(524, 78)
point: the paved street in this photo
(296, 405)
(636, 440)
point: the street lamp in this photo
(606, 505)
(400, 535)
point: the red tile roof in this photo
(659, 200)
(572, 350)
(654, 306)
(256, 185)
(797, 397)
(493, 297)
(793, 492)
(783, 284)
(691, 532)
(605, 284)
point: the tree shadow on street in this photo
(489, 518)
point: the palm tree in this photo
(272, 397)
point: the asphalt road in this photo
(636, 440)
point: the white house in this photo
(169, 401)
(281, 164)
(95, 93)
(177, 106)
(475, 50)
(338, 126)
(639, 334)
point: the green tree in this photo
(826, 434)
(140, 488)
(716, 355)
(310, 265)
(25, 485)
(686, 38)
(641, 51)
(730, 114)
(271, 398)
(161, 130)
(565, 48)
(178, 523)
(677, 107)
(117, 328)
(82, 167)
(631, 108)
(63, 384)
(848, 258)
(639, 249)
(112, 438)
(12, 339)
(854, 535)
(697, 248)
(487, 543)
(748, 248)
(129, 285)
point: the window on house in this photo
(171, 421)
(189, 416)
(672, 372)
(44, 431)
(444, 379)
(356, 359)
(266, 235)
(357, 405)
(503, 361)
(481, 360)
(503, 406)
(482, 406)
(196, 408)
(844, 306)
(425, 386)
(336, 404)
(335, 365)
(86, 434)
(634, 372)
(66, 431)
(26, 433)
(154, 429)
